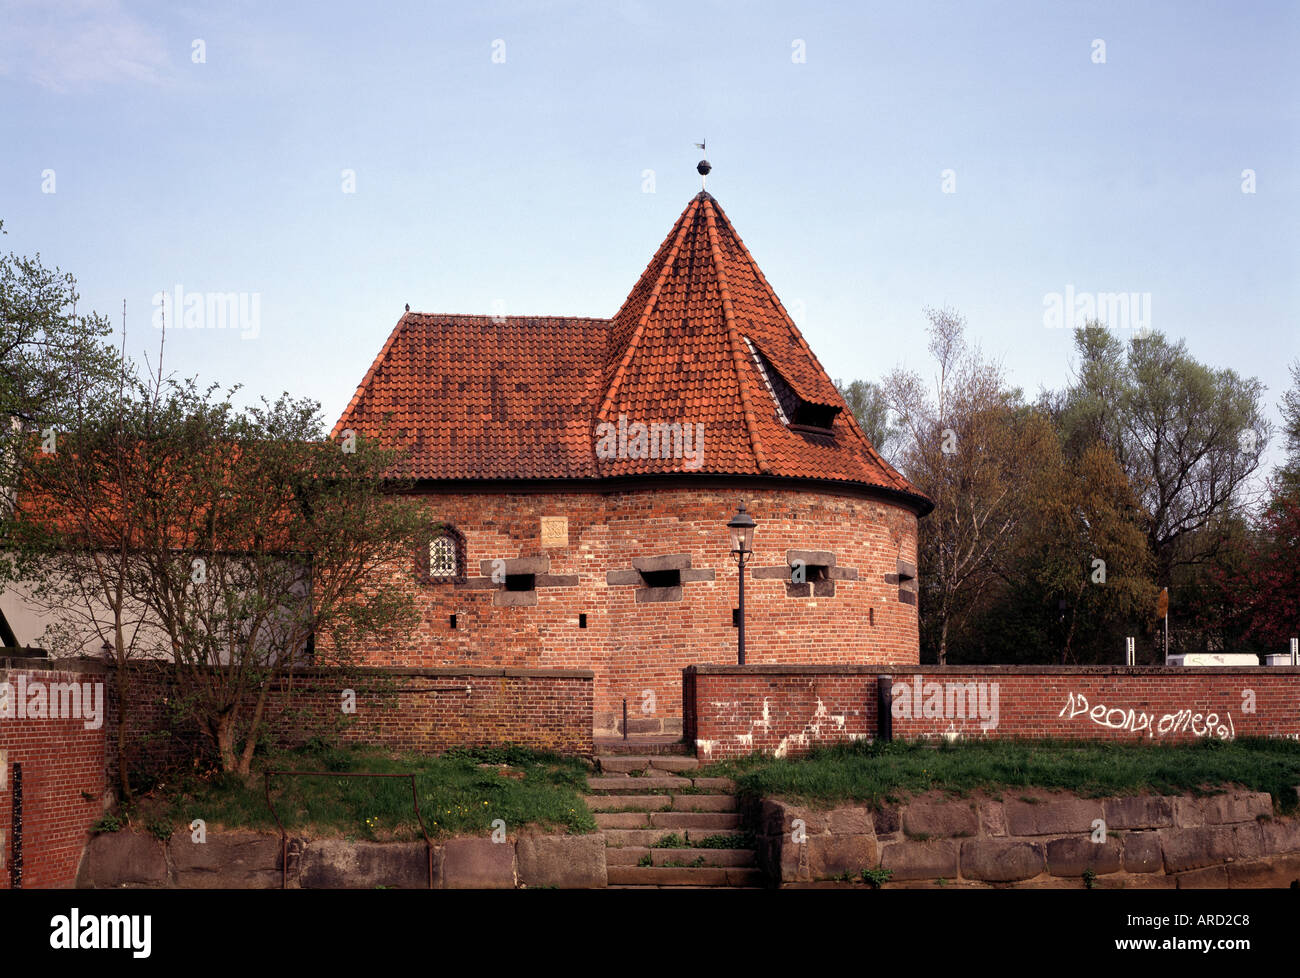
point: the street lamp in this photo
(741, 527)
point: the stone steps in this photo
(658, 746)
(648, 836)
(719, 822)
(661, 803)
(627, 784)
(633, 856)
(629, 763)
(640, 803)
(622, 784)
(675, 876)
(642, 798)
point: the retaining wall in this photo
(786, 710)
(252, 860)
(1039, 839)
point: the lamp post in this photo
(741, 526)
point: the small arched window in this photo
(442, 559)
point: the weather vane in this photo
(703, 168)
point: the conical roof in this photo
(703, 339)
(701, 371)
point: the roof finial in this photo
(703, 168)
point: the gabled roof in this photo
(702, 340)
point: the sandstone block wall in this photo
(1039, 839)
(252, 860)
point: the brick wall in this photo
(63, 778)
(436, 709)
(403, 709)
(637, 647)
(787, 710)
(68, 767)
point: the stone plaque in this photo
(555, 531)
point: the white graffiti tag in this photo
(1181, 721)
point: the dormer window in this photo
(794, 412)
(816, 418)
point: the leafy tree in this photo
(58, 374)
(237, 543)
(1086, 553)
(1288, 476)
(1216, 598)
(1272, 587)
(263, 545)
(1189, 437)
(870, 407)
(52, 358)
(71, 544)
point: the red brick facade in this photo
(437, 709)
(405, 709)
(644, 432)
(786, 711)
(62, 784)
(638, 639)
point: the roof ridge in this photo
(751, 422)
(502, 318)
(365, 381)
(644, 318)
(789, 322)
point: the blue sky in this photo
(517, 183)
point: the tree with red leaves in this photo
(1273, 588)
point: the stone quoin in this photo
(641, 433)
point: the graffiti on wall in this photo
(1185, 721)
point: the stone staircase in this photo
(644, 798)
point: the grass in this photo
(742, 840)
(876, 878)
(458, 795)
(874, 772)
(671, 841)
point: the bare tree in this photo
(972, 446)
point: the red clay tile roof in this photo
(480, 397)
(525, 397)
